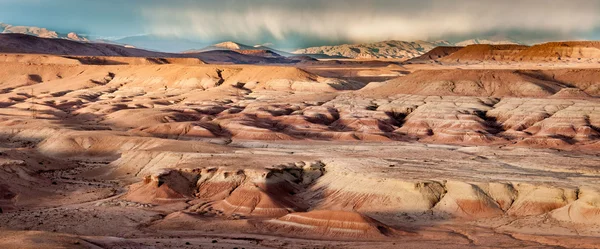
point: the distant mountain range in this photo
(392, 49)
(377, 50)
(30, 44)
(259, 50)
(39, 32)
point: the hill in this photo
(575, 51)
(491, 83)
(482, 52)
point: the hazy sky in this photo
(298, 23)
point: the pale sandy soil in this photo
(187, 155)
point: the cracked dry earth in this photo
(205, 156)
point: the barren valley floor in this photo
(189, 155)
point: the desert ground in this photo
(477, 147)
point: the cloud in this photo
(365, 20)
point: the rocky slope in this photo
(435, 54)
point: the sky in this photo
(288, 24)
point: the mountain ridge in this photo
(391, 49)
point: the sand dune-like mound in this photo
(330, 224)
(468, 201)
(268, 200)
(218, 184)
(535, 200)
(162, 186)
(268, 193)
(435, 54)
(247, 193)
(585, 210)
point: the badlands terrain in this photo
(484, 146)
